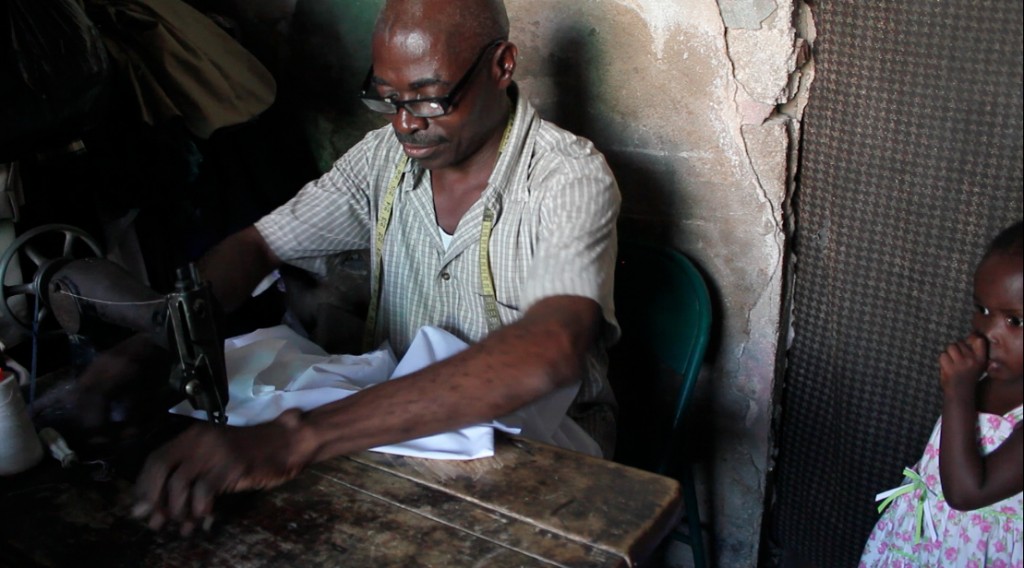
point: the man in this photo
(467, 176)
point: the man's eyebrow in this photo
(415, 85)
(427, 82)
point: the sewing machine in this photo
(87, 295)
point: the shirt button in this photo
(446, 276)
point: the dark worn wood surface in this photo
(529, 505)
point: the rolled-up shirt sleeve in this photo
(576, 245)
(328, 215)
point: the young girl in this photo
(961, 504)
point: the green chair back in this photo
(663, 307)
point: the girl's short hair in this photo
(1009, 240)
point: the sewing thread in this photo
(111, 302)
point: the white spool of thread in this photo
(20, 448)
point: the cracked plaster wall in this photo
(696, 104)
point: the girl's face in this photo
(999, 300)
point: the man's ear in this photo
(507, 54)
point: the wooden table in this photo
(529, 505)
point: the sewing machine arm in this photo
(185, 321)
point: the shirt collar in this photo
(510, 158)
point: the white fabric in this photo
(272, 370)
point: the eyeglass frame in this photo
(445, 102)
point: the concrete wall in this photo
(696, 104)
(684, 97)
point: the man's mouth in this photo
(419, 145)
(418, 139)
(417, 151)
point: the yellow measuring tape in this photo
(486, 280)
(384, 218)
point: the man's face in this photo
(414, 65)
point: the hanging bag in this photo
(54, 45)
(53, 65)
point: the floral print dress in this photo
(918, 528)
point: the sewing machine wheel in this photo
(47, 247)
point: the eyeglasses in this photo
(427, 107)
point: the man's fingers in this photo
(179, 489)
(59, 396)
(202, 500)
(156, 520)
(174, 485)
(149, 486)
(192, 488)
(141, 510)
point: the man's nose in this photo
(405, 122)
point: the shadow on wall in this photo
(329, 50)
(329, 53)
(319, 51)
(574, 67)
(650, 196)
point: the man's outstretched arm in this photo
(236, 265)
(512, 367)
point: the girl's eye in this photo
(1014, 321)
(981, 309)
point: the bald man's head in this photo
(445, 24)
(451, 55)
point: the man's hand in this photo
(180, 481)
(132, 371)
(70, 404)
(961, 364)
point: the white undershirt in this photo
(446, 239)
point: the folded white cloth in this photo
(275, 369)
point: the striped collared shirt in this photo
(555, 204)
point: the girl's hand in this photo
(970, 480)
(962, 363)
